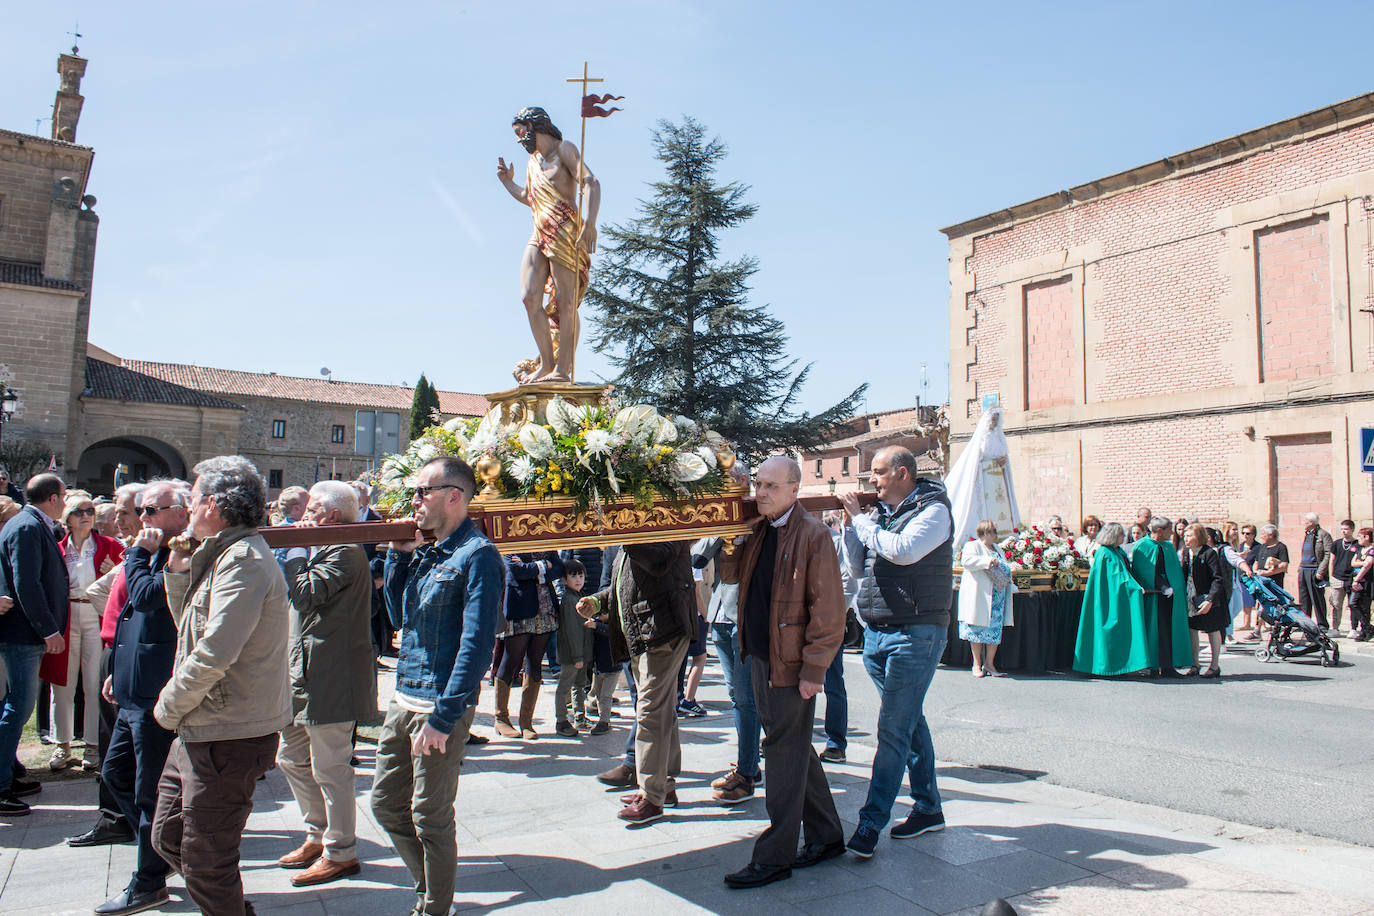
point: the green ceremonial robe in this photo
(1115, 634)
(1145, 554)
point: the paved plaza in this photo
(538, 834)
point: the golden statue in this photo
(553, 272)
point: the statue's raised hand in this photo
(504, 170)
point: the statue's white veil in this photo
(965, 480)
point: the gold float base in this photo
(525, 525)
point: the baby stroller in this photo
(1281, 612)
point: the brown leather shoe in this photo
(640, 811)
(669, 801)
(301, 858)
(619, 777)
(324, 871)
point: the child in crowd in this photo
(574, 653)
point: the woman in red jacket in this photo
(89, 556)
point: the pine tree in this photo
(675, 318)
(424, 407)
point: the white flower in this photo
(522, 469)
(392, 471)
(598, 442)
(426, 451)
(610, 478)
(455, 425)
(536, 440)
(636, 423)
(666, 432)
(686, 427)
(707, 456)
(562, 416)
(689, 466)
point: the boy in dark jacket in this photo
(575, 647)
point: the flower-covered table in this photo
(1042, 640)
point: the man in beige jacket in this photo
(229, 694)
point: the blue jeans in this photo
(836, 704)
(21, 692)
(739, 682)
(628, 671)
(902, 664)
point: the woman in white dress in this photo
(984, 598)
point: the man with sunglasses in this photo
(144, 651)
(8, 488)
(445, 598)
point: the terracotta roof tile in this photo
(296, 388)
(115, 383)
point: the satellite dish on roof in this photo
(327, 374)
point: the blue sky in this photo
(285, 186)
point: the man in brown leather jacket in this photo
(791, 620)
(651, 607)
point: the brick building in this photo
(95, 411)
(1195, 335)
(844, 464)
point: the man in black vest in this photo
(902, 556)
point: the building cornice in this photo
(1291, 130)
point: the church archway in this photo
(144, 457)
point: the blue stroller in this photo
(1281, 612)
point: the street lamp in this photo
(832, 486)
(8, 402)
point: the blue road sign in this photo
(1367, 449)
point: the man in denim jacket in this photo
(445, 598)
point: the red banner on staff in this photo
(590, 103)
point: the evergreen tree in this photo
(675, 318)
(424, 407)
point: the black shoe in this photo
(104, 833)
(756, 875)
(24, 786)
(132, 901)
(477, 739)
(11, 806)
(832, 755)
(917, 824)
(863, 842)
(816, 853)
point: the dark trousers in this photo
(129, 774)
(796, 794)
(203, 802)
(110, 812)
(836, 704)
(1312, 599)
(1164, 629)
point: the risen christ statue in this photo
(557, 257)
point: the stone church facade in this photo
(95, 411)
(1195, 335)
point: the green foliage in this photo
(424, 407)
(675, 317)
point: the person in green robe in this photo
(1155, 565)
(1115, 635)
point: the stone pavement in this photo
(538, 833)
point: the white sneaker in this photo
(1353, 634)
(61, 759)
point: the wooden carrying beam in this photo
(518, 526)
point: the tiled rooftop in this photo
(116, 383)
(296, 388)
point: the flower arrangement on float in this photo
(591, 454)
(1033, 549)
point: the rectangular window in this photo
(844, 466)
(818, 467)
(278, 429)
(337, 437)
(376, 433)
(274, 480)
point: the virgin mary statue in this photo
(979, 484)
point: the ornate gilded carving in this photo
(616, 518)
